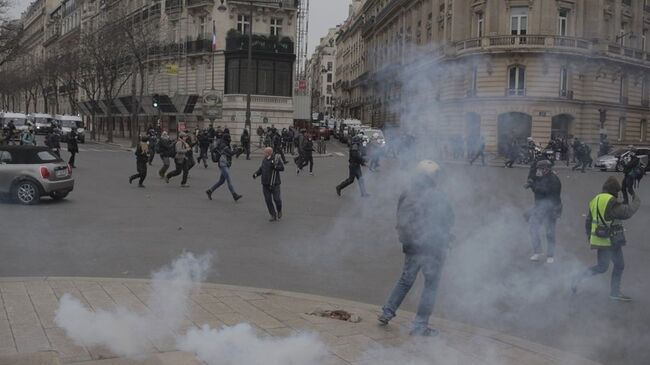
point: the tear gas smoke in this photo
(240, 345)
(127, 333)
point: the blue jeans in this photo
(431, 266)
(225, 177)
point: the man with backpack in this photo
(424, 222)
(141, 158)
(222, 155)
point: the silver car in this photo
(28, 172)
(610, 162)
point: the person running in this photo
(141, 159)
(547, 189)
(204, 144)
(165, 149)
(73, 147)
(605, 234)
(270, 172)
(246, 143)
(355, 162)
(224, 161)
(181, 149)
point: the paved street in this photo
(344, 247)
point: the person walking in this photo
(224, 161)
(53, 141)
(270, 172)
(547, 188)
(276, 144)
(478, 150)
(204, 145)
(307, 156)
(582, 155)
(141, 159)
(425, 219)
(73, 147)
(605, 234)
(181, 150)
(355, 162)
(245, 141)
(512, 153)
(152, 142)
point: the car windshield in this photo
(41, 120)
(68, 123)
(19, 122)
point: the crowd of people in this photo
(53, 139)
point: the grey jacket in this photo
(181, 150)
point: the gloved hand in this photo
(254, 176)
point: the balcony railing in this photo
(198, 46)
(515, 92)
(260, 44)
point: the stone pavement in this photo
(28, 334)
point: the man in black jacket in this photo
(355, 162)
(246, 143)
(204, 144)
(424, 222)
(166, 151)
(547, 188)
(307, 156)
(270, 172)
(141, 158)
(73, 147)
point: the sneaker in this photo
(140, 186)
(297, 171)
(383, 319)
(273, 219)
(209, 194)
(185, 185)
(311, 174)
(535, 257)
(424, 332)
(130, 180)
(166, 179)
(279, 215)
(237, 196)
(620, 297)
(550, 260)
(338, 191)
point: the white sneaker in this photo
(535, 257)
(550, 260)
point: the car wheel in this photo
(26, 192)
(59, 195)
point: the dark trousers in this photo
(582, 165)
(605, 255)
(180, 167)
(354, 173)
(72, 158)
(307, 160)
(479, 153)
(281, 152)
(247, 150)
(142, 171)
(271, 197)
(203, 155)
(165, 166)
(152, 154)
(547, 222)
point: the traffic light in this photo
(156, 101)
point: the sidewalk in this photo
(28, 334)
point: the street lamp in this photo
(249, 90)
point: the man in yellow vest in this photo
(605, 234)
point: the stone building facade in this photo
(508, 69)
(322, 67)
(182, 61)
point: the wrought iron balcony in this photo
(239, 42)
(199, 3)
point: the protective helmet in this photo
(427, 168)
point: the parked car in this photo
(610, 162)
(66, 123)
(29, 172)
(42, 122)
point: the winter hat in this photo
(612, 186)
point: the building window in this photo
(563, 22)
(329, 77)
(480, 21)
(243, 24)
(623, 89)
(643, 125)
(329, 66)
(516, 80)
(276, 27)
(202, 32)
(645, 95)
(518, 20)
(329, 89)
(474, 82)
(564, 82)
(623, 33)
(621, 128)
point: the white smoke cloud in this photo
(127, 333)
(240, 345)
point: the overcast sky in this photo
(323, 14)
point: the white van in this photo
(67, 122)
(20, 120)
(42, 122)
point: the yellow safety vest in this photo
(599, 205)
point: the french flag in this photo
(214, 36)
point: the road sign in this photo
(212, 104)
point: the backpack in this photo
(215, 154)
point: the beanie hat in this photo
(612, 186)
